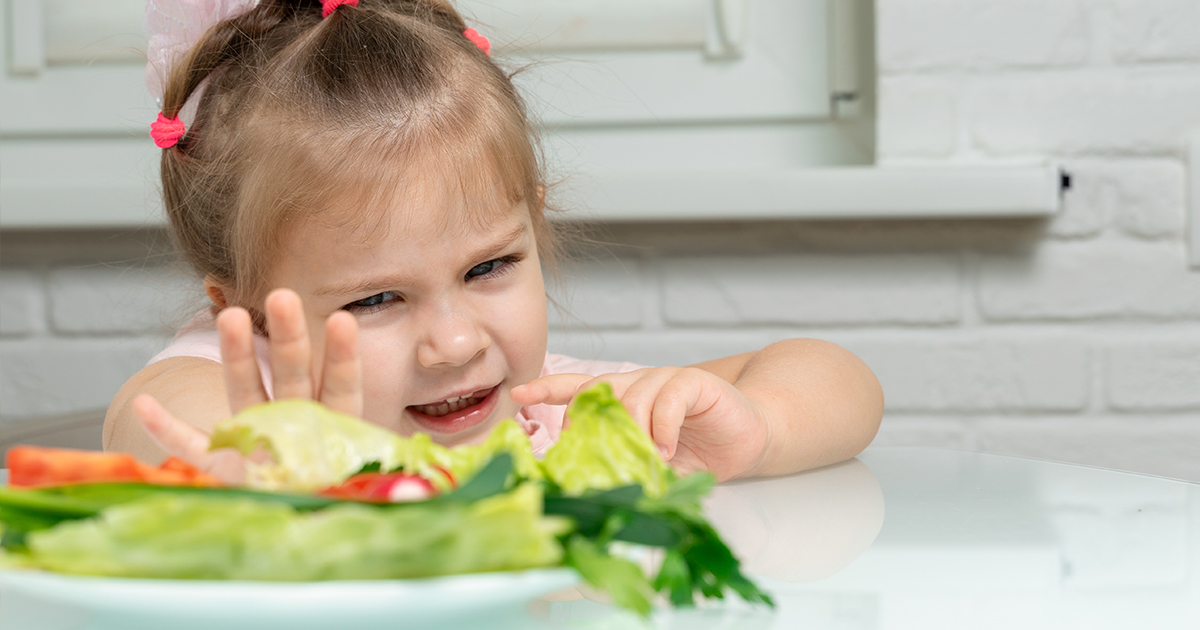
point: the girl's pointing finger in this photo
(556, 389)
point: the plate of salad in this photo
(343, 522)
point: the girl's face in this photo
(451, 312)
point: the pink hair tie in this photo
(166, 131)
(327, 6)
(479, 40)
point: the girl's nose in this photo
(452, 338)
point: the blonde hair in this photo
(298, 112)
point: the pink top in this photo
(542, 422)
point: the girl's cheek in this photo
(381, 354)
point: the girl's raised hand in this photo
(338, 384)
(699, 420)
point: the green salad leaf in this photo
(604, 448)
(313, 447)
(622, 579)
(190, 537)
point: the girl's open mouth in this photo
(457, 413)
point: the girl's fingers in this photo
(556, 389)
(675, 401)
(639, 396)
(173, 435)
(187, 442)
(341, 381)
(291, 351)
(243, 383)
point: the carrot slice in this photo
(36, 466)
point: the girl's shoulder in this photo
(193, 389)
(199, 340)
(196, 339)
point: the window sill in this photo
(688, 195)
(859, 192)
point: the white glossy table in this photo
(904, 538)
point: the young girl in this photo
(373, 165)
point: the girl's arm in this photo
(822, 404)
(794, 405)
(189, 388)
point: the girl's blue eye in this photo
(483, 269)
(374, 302)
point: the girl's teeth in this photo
(449, 406)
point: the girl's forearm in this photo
(821, 404)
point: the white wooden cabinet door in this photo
(74, 116)
(617, 85)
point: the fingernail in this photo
(662, 450)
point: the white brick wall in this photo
(55, 376)
(22, 303)
(71, 333)
(110, 299)
(1075, 339)
(1154, 375)
(827, 289)
(931, 35)
(1079, 340)
(1109, 278)
(1154, 30)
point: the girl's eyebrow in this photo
(377, 284)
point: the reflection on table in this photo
(969, 541)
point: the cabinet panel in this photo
(79, 182)
(76, 65)
(618, 85)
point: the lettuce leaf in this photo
(313, 447)
(507, 437)
(193, 537)
(604, 448)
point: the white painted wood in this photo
(79, 183)
(844, 50)
(77, 204)
(541, 26)
(68, 130)
(64, 100)
(1194, 199)
(727, 194)
(27, 53)
(820, 193)
(730, 19)
(769, 146)
(849, 31)
(80, 30)
(84, 32)
(782, 74)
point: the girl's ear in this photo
(216, 291)
(541, 193)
